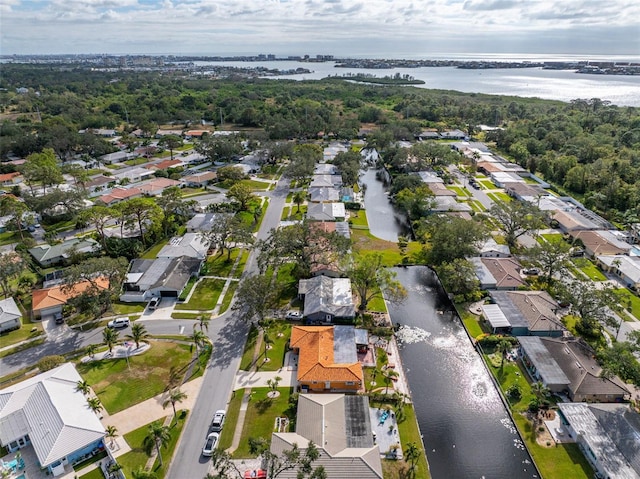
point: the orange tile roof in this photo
(9, 176)
(163, 165)
(315, 361)
(56, 296)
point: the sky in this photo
(366, 28)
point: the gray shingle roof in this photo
(45, 252)
(327, 295)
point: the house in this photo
(156, 186)
(49, 301)
(10, 179)
(196, 133)
(47, 412)
(326, 181)
(607, 435)
(97, 184)
(10, 315)
(448, 203)
(191, 245)
(599, 243)
(568, 366)
(524, 191)
(326, 212)
(134, 175)
(428, 135)
(498, 273)
(325, 169)
(117, 157)
(161, 133)
(327, 359)
(324, 194)
(340, 228)
(501, 178)
(166, 164)
(118, 194)
(491, 249)
(439, 189)
(340, 426)
(162, 277)
(202, 222)
(326, 299)
(530, 313)
(47, 255)
(570, 220)
(453, 135)
(201, 179)
(627, 268)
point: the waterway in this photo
(564, 85)
(467, 432)
(384, 222)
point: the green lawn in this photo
(205, 296)
(256, 185)
(551, 237)
(9, 237)
(249, 348)
(511, 373)
(127, 308)
(152, 252)
(289, 284)
(136, 161)
(185, 315)
(471, 321)
(217, 265)
(588, 268)
(28, 330)
(358, 218)
(499, 197)
(187, 289)
(119, 387)
(476, 206)
(460, 191)
(260, 418)
(231, 419)
(377, 305)
(293, 214)
(487, 184)
(241, 264)
(279, 332)
(560, 462)
(625, 297)
(226, 302)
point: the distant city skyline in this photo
(371, 28)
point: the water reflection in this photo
(466, 430)
(384, 221)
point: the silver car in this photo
(210, 444)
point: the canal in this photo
(467, 431)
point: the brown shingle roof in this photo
(506, 271)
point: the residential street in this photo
(228, 334)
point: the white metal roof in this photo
(495, 316)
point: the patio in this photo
(31, 469)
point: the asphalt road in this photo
(228, 333)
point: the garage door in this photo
(169, 294)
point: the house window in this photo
(349, 383)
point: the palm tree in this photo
(203, 321)
(273, 383)
(140, 473)
(112, 433)
(83, 387)
(539, 390)
(159, 436)
(298, 199)
(95, 405)
(110, 338)
(198, 338)
(389, 375)
(266, 339)
(138, 333)
(175, 395)
(502, 347)
(411, 455)
(91, 350)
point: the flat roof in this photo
(495, 316)
(344, 345)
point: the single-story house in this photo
(429, 177)
(191, 245)
(326, 212)
(627, 268)
(568, 366)
(570, 220)
(428, 135)
(340, 426)
(134, 174)
(524, 191)
(326, 181)
(326, 299)
(10, 179)
(161, 133)
(202, 222)
(201, 179)
(49, 301)
(597, 243)
(439, 189)
(118, 194)
(98, 183)
(530, 313)
(47, 255)
(500, 178)
(117, 157)
(327, 359)
(156, 186)
(10, 315)
(162, 277)
(607, 435)
(498, 273)
(48, 413)
(331, 151)
(453, 135)
(196, 133)
(105, 132)
(325, 169)
(448, 203)
(323, 194)
(491, 249)
(340, 228)
(166, 164)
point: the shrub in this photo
(514, 391)
(49, 362)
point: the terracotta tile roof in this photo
(315, 363)
(56, 296)
(163, 165)
(9, 176)
(119, 194)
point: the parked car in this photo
(118, 323)
(218, 420)
(154, 303)
(58, 318)
(531, 271)
(210, 444)
(293, 315)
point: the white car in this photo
(118, 323)
(218, 420)
(293, 315)
(210, 444)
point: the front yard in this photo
(205, 296)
